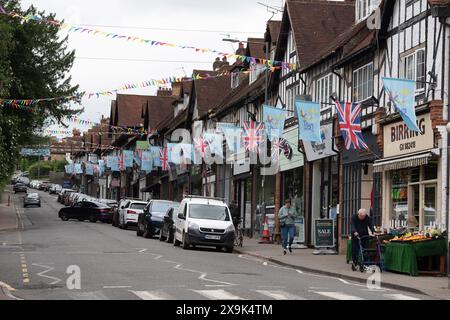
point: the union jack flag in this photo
(164, 160)
(122, 162)
(281, 145)
(253, 135)
(201, 144)
(350, 124)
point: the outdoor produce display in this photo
(404, 236)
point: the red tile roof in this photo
(129, 110)
(255, 48)
(316, 24)
(156, 109)
(273, 27)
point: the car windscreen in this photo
(138, 206)
(208, 212)
(161, 206)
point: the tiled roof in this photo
(273, 27)
(129, 110)
(156, 109)
(315, 25)
(210, 92)
(255, 48)
(171, 122)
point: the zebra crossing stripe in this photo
(279, 295)
(218, 295)
(338, 295)
(151, 295)
(400, 296)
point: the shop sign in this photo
(319, 150)
(242, 165)
(294, 159)
(399, 140)
(324, 233)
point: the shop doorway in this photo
(243, 190)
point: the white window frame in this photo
(412, 73)
(322, 93)
(356, 74)
(364, 9)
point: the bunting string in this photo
(109, 35)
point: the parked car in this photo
(20, 187)
(54, 189)
(116, 213)
(62, 194)
(128, 215)
(151, 219)
(110, 203)
(168, 225)
(32, 199)
(86, 210)
(204, 221)
(45, 186)
(71, 199)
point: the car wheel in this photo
(124, 226)
(185, 242)
(79, 219)
(176, 243)
(92, 219)
(64, 218)
(139, 232)
(147, 233)
(170, 237)
(229, 249)
(24, 205)
(218, 248)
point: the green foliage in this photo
(44, 168)
(34, 63)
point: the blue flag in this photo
(274, 119)
(115, 163)
(147, 163)
(89, 169)
(402, 95)
(78, 169)
(156, 155)
(178, 151)
(101, 167)
(128, 158)
(308, 115)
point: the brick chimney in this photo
(164, 92)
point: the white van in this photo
(205, 222)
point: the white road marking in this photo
(218, 295)
(7, 286)
(203, 277)
(116, 287)
(95, 295)
(399, 296)
(343, 281)
(265, 264)
(299, 271)
(279, 295)
(143, 250)
(42, 274)
(338, 295)
(151, 295)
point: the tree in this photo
(34, 63)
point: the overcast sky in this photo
(147, 19)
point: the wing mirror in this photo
(181, 216)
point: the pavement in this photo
(45, 258)
(336, 266)
(8, 218)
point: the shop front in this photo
(324, 180)
(412, 186)
(243, 192)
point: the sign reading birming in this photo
(400, 140)
(324, 233)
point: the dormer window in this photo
(364, 8)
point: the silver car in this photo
(32, 199)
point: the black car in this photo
(87, 210)
(20, 187)
(151, 219)
(168, 226)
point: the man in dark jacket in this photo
(360, 223)
(235, 214)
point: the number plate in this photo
(210, 237)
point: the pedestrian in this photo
(360, 224)
(235, 214)
(286, 217)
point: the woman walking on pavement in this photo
(286, 216)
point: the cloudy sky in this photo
(104, 64)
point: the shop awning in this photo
(403, 162)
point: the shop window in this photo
(293, 189)
(431, 172)
(415, 174)
(399, 195)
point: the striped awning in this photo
(402, 163)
